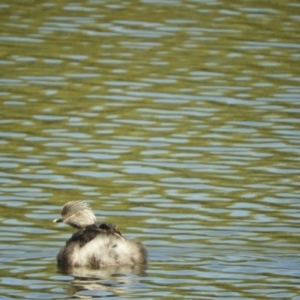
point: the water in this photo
(176, 120)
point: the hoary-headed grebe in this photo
(95, 245)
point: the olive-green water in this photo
(179, 121)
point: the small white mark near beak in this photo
(57, 220)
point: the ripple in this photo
(182, 130)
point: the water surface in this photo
(176, 120)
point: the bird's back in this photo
(100, 245)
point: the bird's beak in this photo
(58, 220)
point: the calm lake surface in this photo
(179, 121)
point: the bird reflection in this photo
(112, 280)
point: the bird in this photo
(95, 245)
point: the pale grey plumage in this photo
(77, 214)
(95, 245)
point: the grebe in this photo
(95, 245)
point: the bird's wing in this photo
(110, 228)
(85, 235)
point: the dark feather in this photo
(85, 235)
